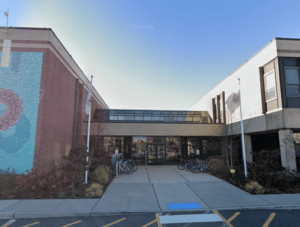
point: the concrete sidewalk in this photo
(151, 190)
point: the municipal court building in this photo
(42, 108)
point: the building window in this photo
(270, 86)
(221, 109)
(292, 82)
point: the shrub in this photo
(95, 190)
(76, 163)
(218, 166)
(8, 183)
(266, 168)
(254, 187)
(98, 155)
(43, 184)
(101, 173)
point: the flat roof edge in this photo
(50, 29)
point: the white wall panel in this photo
(250, 85)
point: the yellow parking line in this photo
(73, 223)
(31, 224)
(233, 216)
(122, 219)
(223, 218)
(8, 223)
(158, 220)
(269, 220)
(150, 223)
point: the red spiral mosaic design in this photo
(14, 108)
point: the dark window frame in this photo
(291, 85)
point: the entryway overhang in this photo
(154, 129)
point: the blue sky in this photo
(158, 54)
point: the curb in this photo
(19, 215)
(28, 215)
(7, 215)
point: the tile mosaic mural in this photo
(19, 101)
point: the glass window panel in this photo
(270, 94)
(147, 118)
(270, 81)
(129, 118)
(196, 118)
(292, 76)
(205, 120)
(169, 119)
(292, 91)
(138, 118)
(155, 118)
(179, 118)
(189, 118)
(120, 118)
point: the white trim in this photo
(272, 111)
(192, 218)
(265, 75)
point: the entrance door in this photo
(156, 154)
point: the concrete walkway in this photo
(151, 190)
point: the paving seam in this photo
(59, 204)
(156, 197)
(11, 205)
(265, 200)
(90, 213)
(246, 206)
(179, 174)
(148, 175)
(198, 196)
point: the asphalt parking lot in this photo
(242, 218)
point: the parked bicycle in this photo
(185, 166)
(188, 166)
(131, 163)
(123, 166)
(200, 166)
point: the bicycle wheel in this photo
(207, 169)
(188, 166)
(180, 166)
(128, 169)
(195, 169)
(134, 166)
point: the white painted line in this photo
(8, 223)
(172, 219)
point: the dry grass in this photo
(101, 174)
(254, 187)
(95, 190)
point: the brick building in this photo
(42, 100)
